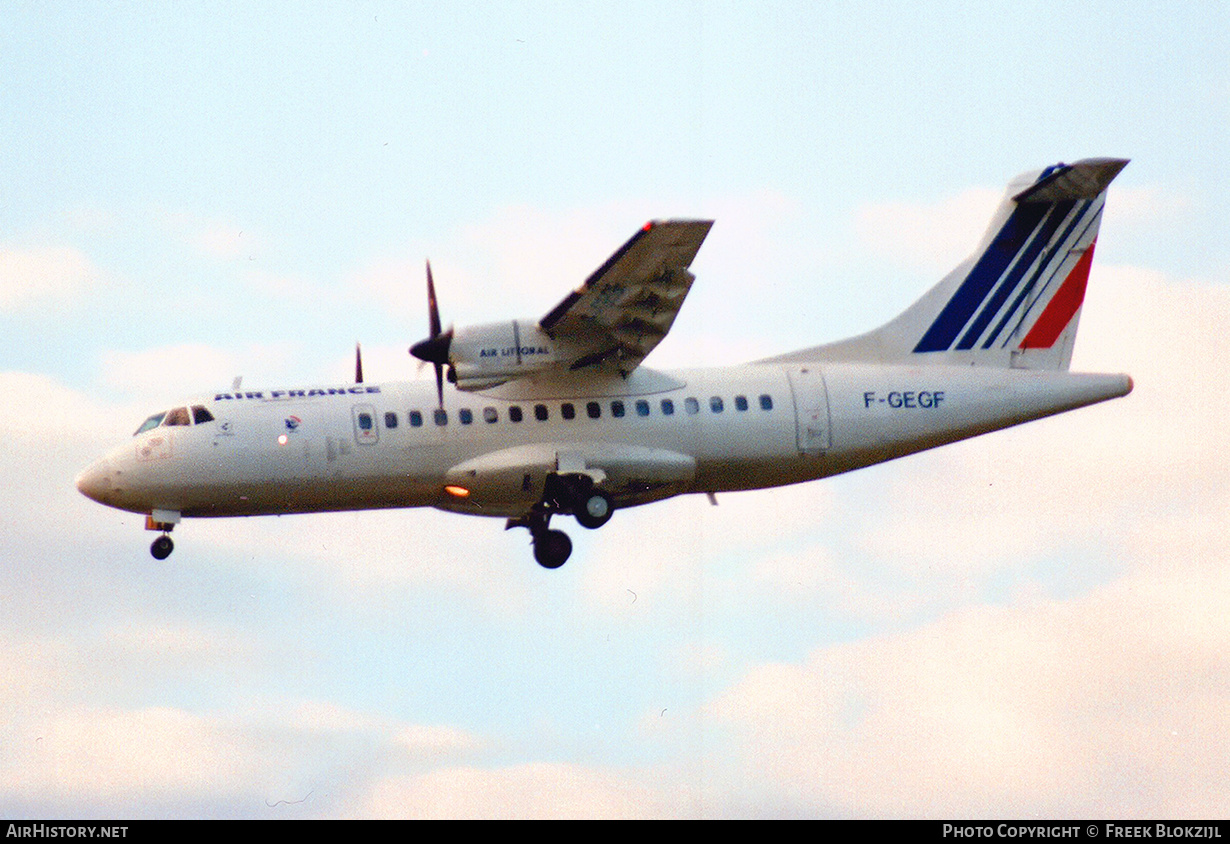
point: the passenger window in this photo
(617, 409)
(594, 410)
(766, 402)
(715, 404)
(491, 415)
(740, 402)
(366, 423)
(201, 414)
(514, 413)
(416, 419)
(465, 415)
(668, 407)
(691, 405)
(178, 416)
(540, 412)
(390, 419)
(567, 411)
(440, 415)
(642, 407)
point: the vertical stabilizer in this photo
(1016, 301)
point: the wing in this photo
(628, 304)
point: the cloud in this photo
(534, 790)
(166, 374)
(932, 237)
(663, 551)
(62, 752)
(1092, 475)
(52, 276)
(1145, 206)
(1108, 705)
(226, 242)
(215, 239)
(118, 759)
(1105, 704)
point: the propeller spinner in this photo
(435, 348)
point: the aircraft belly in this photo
(257, 474)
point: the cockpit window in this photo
(178, 416)
(153, 422)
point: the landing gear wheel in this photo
(162, 547)
(552, 548)
(595, 510)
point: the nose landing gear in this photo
(162, 547)
(165, 521)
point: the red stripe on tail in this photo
(1063, 306)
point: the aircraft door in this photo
(811, 409)
(366, 429)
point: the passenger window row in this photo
(567, 410)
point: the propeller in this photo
(435, 348)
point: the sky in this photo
(1034, 623)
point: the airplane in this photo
(557, 416)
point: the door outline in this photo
(369, 433)
(813, 425)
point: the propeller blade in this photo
(435, 348)
(358, 364)
(433, 310)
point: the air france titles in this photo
(315, 392)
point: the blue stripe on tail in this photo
(1048, 264)
(1059, 212)
(982, 278)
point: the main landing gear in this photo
(573, 495)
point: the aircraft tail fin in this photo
(1016, 301)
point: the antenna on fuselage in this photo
(358, 364)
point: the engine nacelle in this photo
(486, 355)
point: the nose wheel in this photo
(162, 547)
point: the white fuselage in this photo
(651, 435)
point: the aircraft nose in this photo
(95, 481)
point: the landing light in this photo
(457, 491)
(283, 439)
